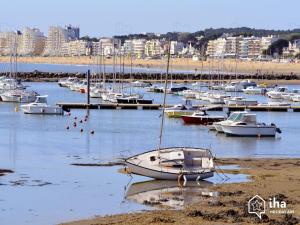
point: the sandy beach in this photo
(227, 65)
(269, 178)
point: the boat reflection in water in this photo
(167, 193)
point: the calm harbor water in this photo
(47, 189)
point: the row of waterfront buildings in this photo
(65, 41)
(247, 47)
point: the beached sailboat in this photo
(173, 163)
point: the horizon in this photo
(105, 18)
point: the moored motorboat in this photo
(181, 109)
(240, 101)
(201, 117)
(245, 125)
(40, 106)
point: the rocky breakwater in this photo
(38, 76)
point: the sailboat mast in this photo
(165, 97)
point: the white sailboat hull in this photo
(169, 164)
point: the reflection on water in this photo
(169, 193)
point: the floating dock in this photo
(117, 106)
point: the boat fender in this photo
(278, 130)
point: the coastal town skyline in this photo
(103, 18)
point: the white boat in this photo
(233, 116)
(170, 163)
(240, 101)
(20, 96)
(217, 98)
(188, 94)
(275, 104)
(245, 125)
(179, 110)
(40, 106)
(277, 93)
(255, 90)
(296, 98)
(140, 84)
(234, 87)
(67, 82)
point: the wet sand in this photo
(269, 177)
(227, 65)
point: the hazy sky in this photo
(108, 17)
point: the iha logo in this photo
(274, 203)
(257, 205)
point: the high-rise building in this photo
(32, 42)
(9, 42)
(57, 36)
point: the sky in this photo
(100, 18)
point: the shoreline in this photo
(228, 65)
(269, 177)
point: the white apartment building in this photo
(216, 48)
(57, 36)
(139, 47)
(109, 46)
(267, 41)
(74, 48)
(32, 42)
(9, 42)
(241, 47)
(293, 49)
(153, 48)
(176, 47)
